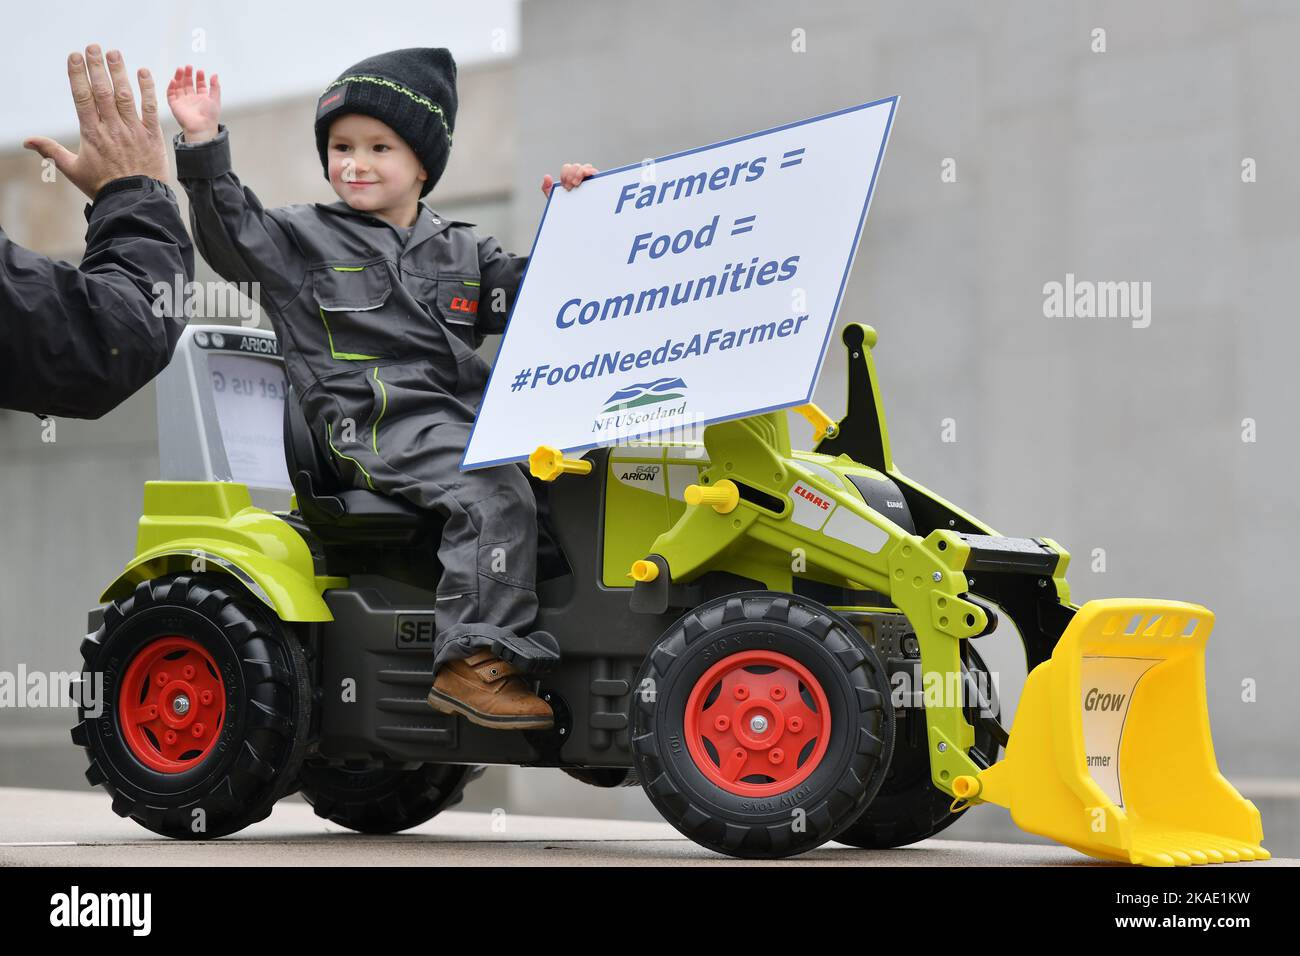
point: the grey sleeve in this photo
(500, 275)
(237, 237)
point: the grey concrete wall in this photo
(1114, 166)
(1123, 165)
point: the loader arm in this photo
(766, 520)
(1066, 773)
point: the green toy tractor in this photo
(736, 619)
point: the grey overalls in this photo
(378, 333)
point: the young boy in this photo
(379, 303)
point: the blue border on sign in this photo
(835, 311)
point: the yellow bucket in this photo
(1110, 752)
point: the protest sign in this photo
(689, 289)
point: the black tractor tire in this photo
(711, 760)
(384, 800)
(909, 807)
(255, 713)
(606, 778)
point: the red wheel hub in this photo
(172, 704)
(757, 723)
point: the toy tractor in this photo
(735, 618)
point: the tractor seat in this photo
(335, 512)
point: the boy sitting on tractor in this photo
(379, 304)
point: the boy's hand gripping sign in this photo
(690, 289)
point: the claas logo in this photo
(462, 304)
(818, 500)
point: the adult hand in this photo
(116, 141)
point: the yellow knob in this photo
(966, 787)
(548, 463)
(723, 496)
(644, 571)
(821, 422)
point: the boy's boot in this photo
(488, 691)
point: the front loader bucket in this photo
(1110, 752)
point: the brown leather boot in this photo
(488, 691)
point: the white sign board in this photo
(249, 394)
(1108, 685)
(694, 288)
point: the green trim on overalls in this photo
(374, 429)
(346, 356)
(329, 437)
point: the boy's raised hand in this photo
(571, 176)
(195, 102)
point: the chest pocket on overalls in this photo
(351, 300)
(457, 302)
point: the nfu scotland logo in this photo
(645, 393)
(643, 405)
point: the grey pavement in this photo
(61, 828)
